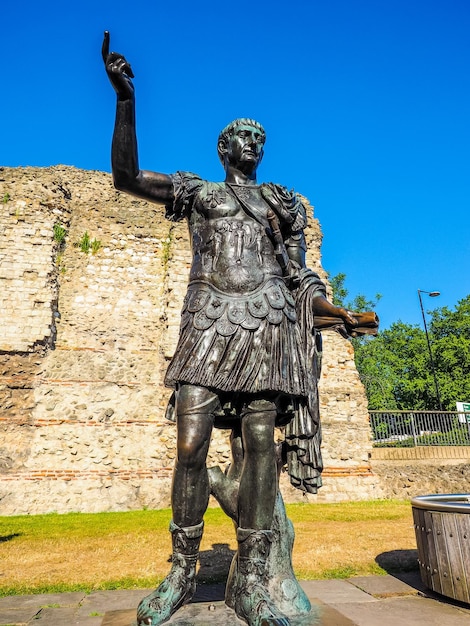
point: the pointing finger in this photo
(105, 46)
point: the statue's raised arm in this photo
(127, 176)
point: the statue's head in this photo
(241, 142)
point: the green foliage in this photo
(6, 198)
(29, 589)
(340, 572)
(95, 246)
(455, 437)
(60, 263)
(60, 233)
(86, 244)
(449, 331)
(395, 366)
(166, 245)
(340, 293)
(388, 368)
(359, 303)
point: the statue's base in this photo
(217, 613)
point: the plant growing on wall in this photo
(95, 246)
(166, 249)
(86, 244)
(60, 233)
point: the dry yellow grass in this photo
(330, 547)
(109, 550)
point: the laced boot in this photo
(179, 586)
(251, 600)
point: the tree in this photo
(395, 366)
(449, 331)
(358, 303)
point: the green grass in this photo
(85, 552)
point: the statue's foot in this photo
(255, 606)
(160, 605)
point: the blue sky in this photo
(366, 105)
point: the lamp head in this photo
(432, 294)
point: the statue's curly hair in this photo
(229, 130)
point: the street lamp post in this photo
(432, 294)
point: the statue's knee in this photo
(193, 437)
(191, 454)
(258, 434)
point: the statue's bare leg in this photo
(258, 481)
(282, 584)
(256, 500)
(190, 496)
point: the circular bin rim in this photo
(445, 502)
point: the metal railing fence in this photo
(407, 429)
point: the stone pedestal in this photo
(215, 613)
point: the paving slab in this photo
(56, 617)
(103, 601)
(42, 600)
(83, 621)
(409, 610)
(335, 591)
(383, 586)
(18, 617)
(358, 601)
(119, 618)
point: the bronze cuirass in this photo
(230, 242)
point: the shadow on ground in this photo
(403, 565)
(9, 537)
(214, 564)
(397, 561)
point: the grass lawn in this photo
(80, 551)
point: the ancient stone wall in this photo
(409, 472)
(85, 341)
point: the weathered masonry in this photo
(85, 340)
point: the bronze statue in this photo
(246, 357)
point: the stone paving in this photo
(360, 601)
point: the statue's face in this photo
(245, 148)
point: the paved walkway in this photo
(361, 601)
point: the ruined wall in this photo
(409, 472)
(85, 341)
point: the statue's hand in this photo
(118, 69)
(348, 317)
